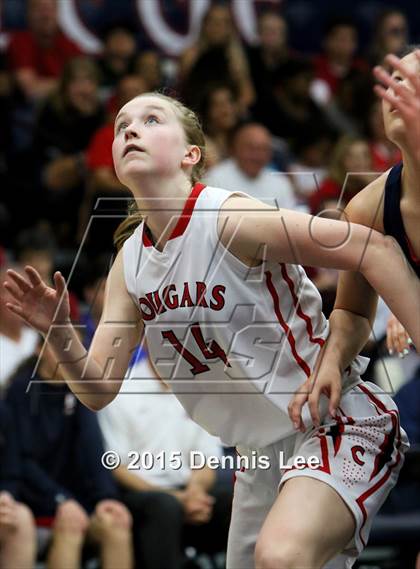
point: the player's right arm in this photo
(94, 376)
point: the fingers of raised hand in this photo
(405, 71)
(20, 281)
(33, 276)
(16, 309)
(400, 97)
(60, 283)
(14, 289)
(391, 98)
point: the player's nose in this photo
(131, 132)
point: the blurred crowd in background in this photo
(304, 131)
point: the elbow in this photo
(381, 249)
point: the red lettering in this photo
(160, 307)
(149, 306)
(186, 297)
(201, 291)
(218, 297)
(171, 302)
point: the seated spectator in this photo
(63, 131)
(17, 527)
(219, 113)
(117, 58)
(148, 66)
(267, 56)
(17, 341)
(217, 55)
(248, 171)
(350, 170)
(391, 35)
(384, 153)
(310, 166)
(338, 59)
(173, 506)
(294, 113)
(36, 247)
(37, 55)
(64, 482)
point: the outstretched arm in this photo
(253, 231)
(94, 376)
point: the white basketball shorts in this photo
(360, 454)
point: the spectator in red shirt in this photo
(338, 59)
(37, 55)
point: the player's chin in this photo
(395, 127)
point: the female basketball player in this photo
(391, 205)
(235, 330)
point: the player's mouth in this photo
(132, 148)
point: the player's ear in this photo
(192, 155)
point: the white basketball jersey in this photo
(233, 342)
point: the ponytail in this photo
(127, 227)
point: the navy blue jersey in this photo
(393, 221)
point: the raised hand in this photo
(37, 304)
(402, 92)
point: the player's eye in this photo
(151, 119)
(122, 125)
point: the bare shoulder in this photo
(239, 218)
(366, 207)
(238, 207)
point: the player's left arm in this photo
(254, 232)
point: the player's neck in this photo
(161, 203)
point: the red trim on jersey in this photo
(146, 239)
(289, 334)
(396, 430)
(299, 311)
(183, 219)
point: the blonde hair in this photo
(337, 170)
(194, 135)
